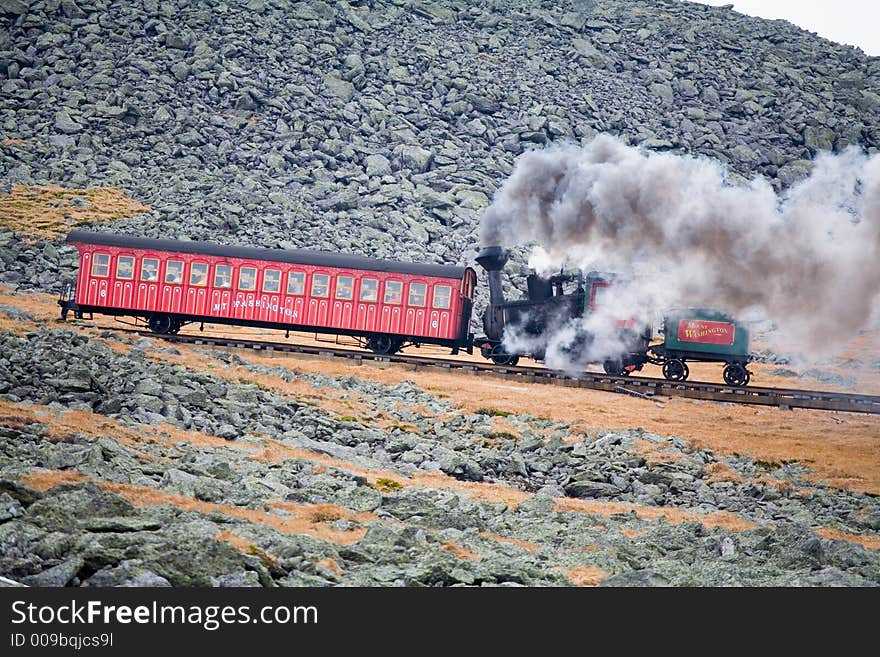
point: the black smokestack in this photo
(493, 259)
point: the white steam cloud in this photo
(809, 260)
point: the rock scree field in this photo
(128, 461)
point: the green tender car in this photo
(701, 334)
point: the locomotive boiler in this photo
(551, 304)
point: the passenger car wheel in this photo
(384, 344)
(161, 323)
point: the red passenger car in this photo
(170, 283)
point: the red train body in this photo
(170, 283)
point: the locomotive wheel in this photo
(176, 325)
(383, 344)
(736, 375)
(161, 324)
(615, 368)
(675, 370)
(500, 357)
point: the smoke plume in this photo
(809, 259)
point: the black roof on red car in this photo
(296, 256)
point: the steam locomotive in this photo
(695, 334)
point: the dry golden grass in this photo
(43, 480)
(675, 516)
(460, 551)
(481, 491)
(47, 212)
(633, 533)
(720, 472)
(340, 402)
(308, 518)
(297, 519)
(585, 575)
(868, 541)
(241, 544)
(330, 564)
(531, 547)
(843, 453)
(42, 307)
(655, 453)
(503, 426)
(867, 343)
(592, 547)
(169, 435)
(64, 425)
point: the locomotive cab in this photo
(550, 304)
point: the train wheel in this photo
(176, 325)
(384, 344)
(615, 368)
(501, 357)
(161, 323)
(736, 375)
(675, 370)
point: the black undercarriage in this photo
(168, 323)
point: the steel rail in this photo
(786, 398)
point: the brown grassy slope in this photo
(840, 449)
(308, 519)
(35, 212)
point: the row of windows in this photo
(296, 281)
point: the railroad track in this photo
(644, 387)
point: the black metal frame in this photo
(464, 341)
(662, 353)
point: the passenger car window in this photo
(101, 265)
(320, 285)
(223, 276)
(393, 292)
(174, 272)
(296, 282)
(198, 274)
(417, 293)
(125, 267)
(442, 296)
(247, 278)
(150, 269)
(272, 281)
(344, 287)
(369, 289)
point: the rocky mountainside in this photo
(120, 468)
(383, 128)
(334, 125)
